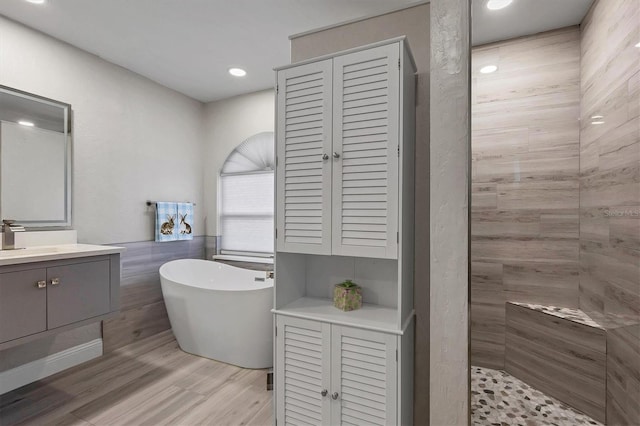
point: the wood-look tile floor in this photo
(150, 382)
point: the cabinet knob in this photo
(336, 155)
(325, 157)
(334, 395)
(324, 392)
(55, 281)
(41, 284)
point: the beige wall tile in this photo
(525, 192)
(610, 163)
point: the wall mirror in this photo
(35, 160)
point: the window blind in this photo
(246, 212)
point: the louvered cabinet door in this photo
(364, 374)
(365, 143)
(303, 152)
(303, 366)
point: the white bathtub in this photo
(219, 311)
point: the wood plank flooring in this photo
(149, 382)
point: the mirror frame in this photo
(66, 223)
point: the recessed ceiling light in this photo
(37, 1)
(597, 122)
(596, 117)
(638, 45)
(489, 69)
(498, 4)
(237, 72)
(26, 123)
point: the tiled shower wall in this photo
(610, 160)
(525, 180)
(610, 194)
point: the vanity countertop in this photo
(55, 252)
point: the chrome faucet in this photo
(9, 234)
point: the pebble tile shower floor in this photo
(497, 398)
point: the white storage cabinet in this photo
(345, 210)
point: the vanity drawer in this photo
(77, 292)
(23, 305)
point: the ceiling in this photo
(188, 45)
(524, 17)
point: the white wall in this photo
(227, 124)
(133, 140)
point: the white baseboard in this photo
(44, 367)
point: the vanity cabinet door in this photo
(77, 292)
(303, 166)
(366, 114)
(23, 304)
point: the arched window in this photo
(246, 197)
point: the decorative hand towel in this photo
(166, 221)
(185, 218)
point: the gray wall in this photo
(449, 237)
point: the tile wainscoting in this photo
(142, 309)
(211, 245)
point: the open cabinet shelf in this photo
(370, 316)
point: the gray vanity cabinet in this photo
(43, 298)
(81, 292)
(23, 305)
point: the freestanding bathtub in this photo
(219, 311)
